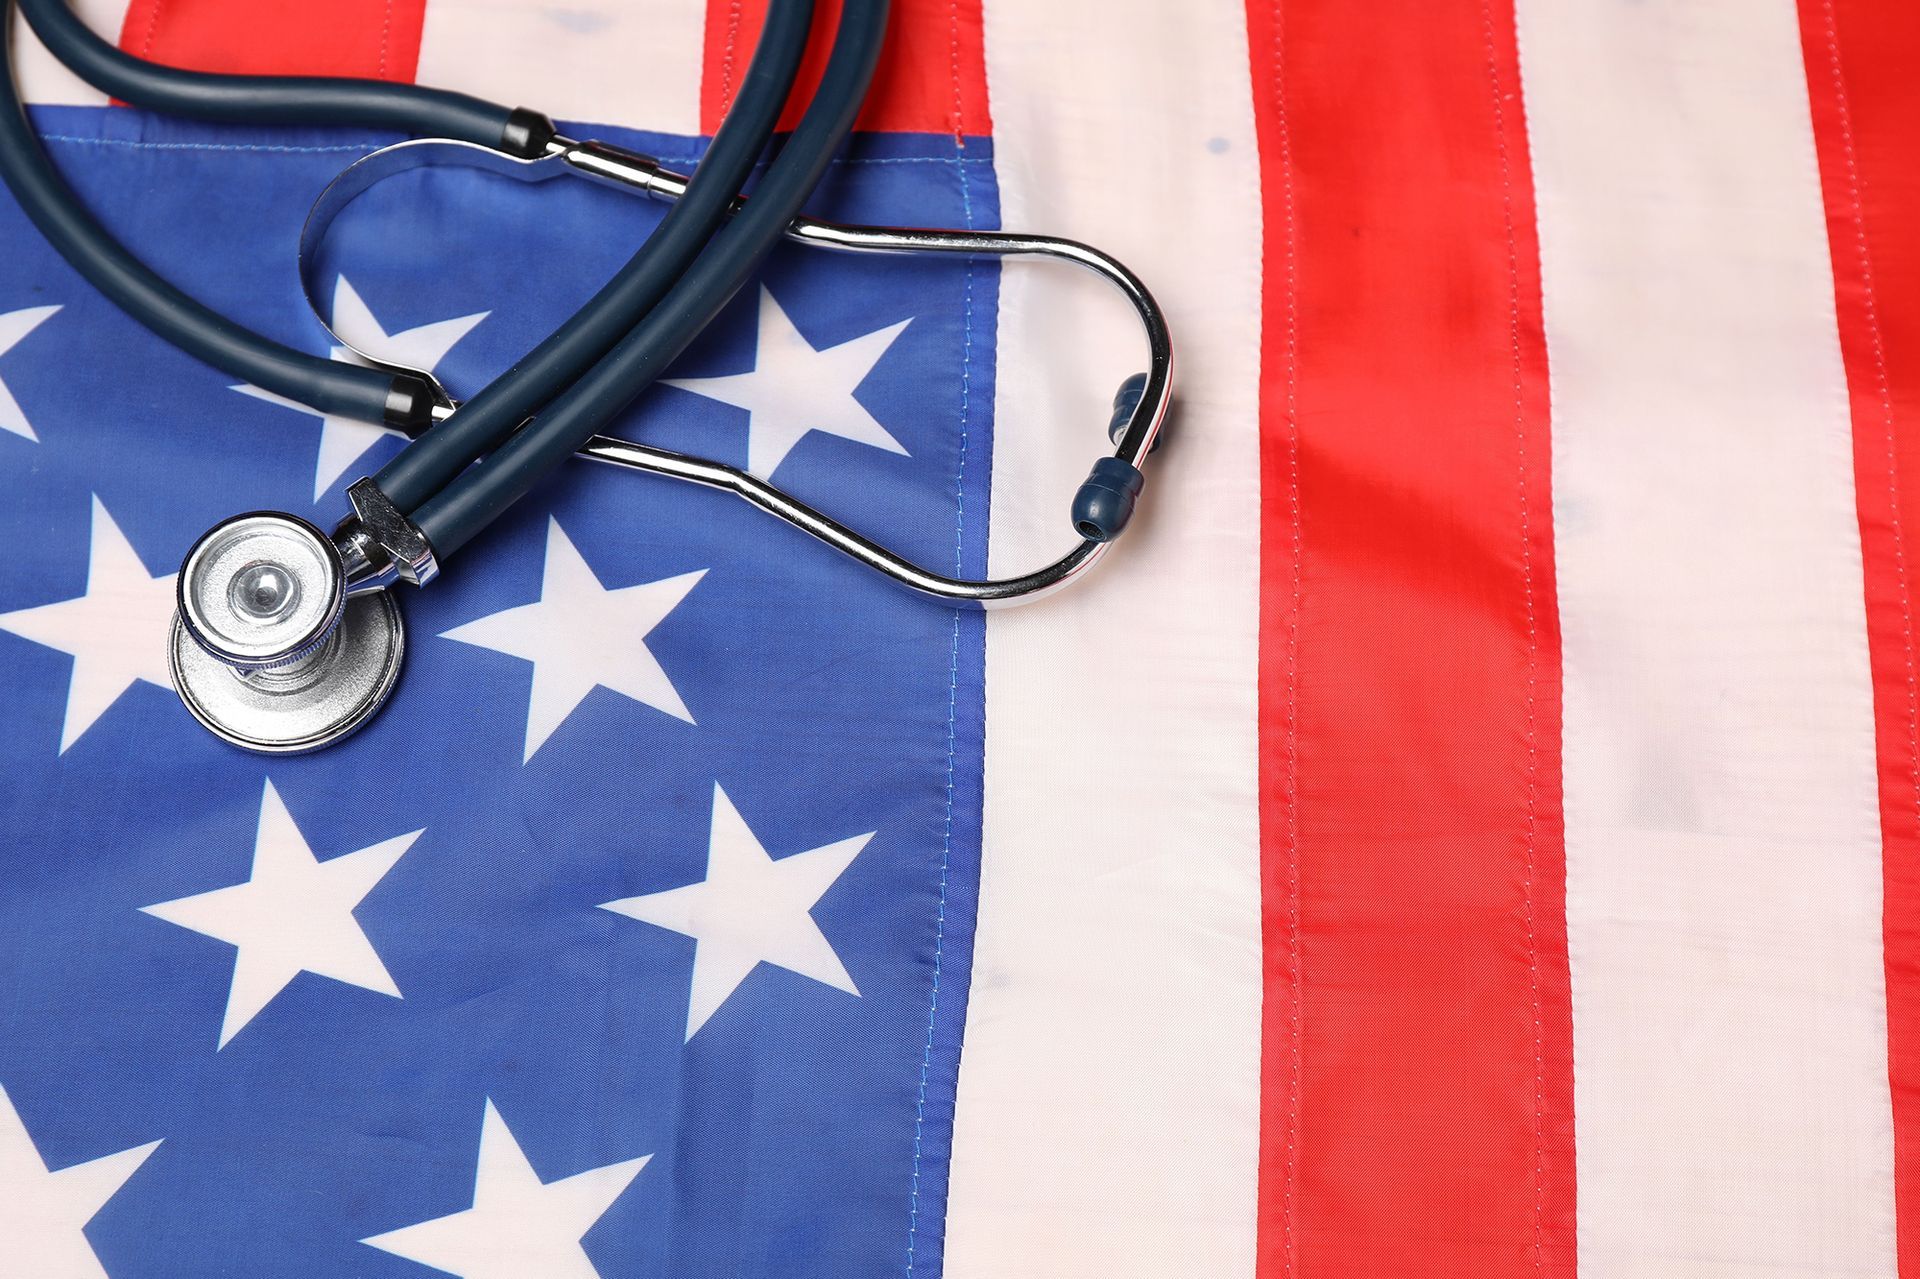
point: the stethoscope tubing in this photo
(434, 459)
(299, 100)
(329, 386)
(480, 493)
(440, 450)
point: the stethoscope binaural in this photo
(286, 638)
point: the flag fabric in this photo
(1468, 827)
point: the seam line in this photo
(1533, 644)
(1291, 753)
(953, 698)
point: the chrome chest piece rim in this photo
(267, 650)
(304, 705)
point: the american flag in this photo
(1471, 827)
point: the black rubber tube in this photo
(483, 422)
(329, 386)
(472, 501)
(373, 104)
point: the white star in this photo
(43, 1214)
(794, 388)
(295, 915)
(344, 439)
(116, 632)
(517, 1226)
(749, 910)
(579, 635)
(15, 325)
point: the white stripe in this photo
(1723, 845)
(625, 62)
(42, 79)
(1109, 1085)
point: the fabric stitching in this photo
(203, 146)
(1533, 646)
(953, 55)
(363, 149)
(953, 667)
(1292, 752)
(726, 57)
(153, 22)
(1883, 385)
(386, 28)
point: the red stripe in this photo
(1860, 56)
(932, 77)
(378, 39)
(1418, 1114)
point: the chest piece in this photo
(268, 649)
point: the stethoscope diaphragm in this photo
(268, 649)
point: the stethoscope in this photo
(287, 639)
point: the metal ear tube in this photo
(1100, 509)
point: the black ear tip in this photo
(1105, 502)
(1125, 401)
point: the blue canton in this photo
(449, 1025)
